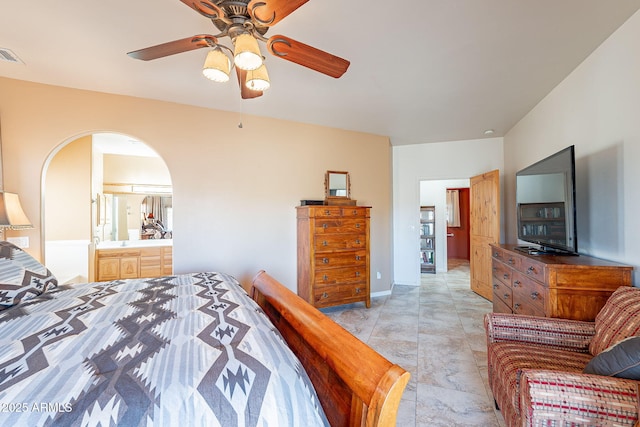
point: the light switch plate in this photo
(21, 242)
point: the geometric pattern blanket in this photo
(185, 350)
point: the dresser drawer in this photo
(332, 276)
(502, 272)
(509, 258)
(502, 292)
(513, 260)
(529, 310)
(528, 296)
(498, 254)
(353, 212)
(331, 242)
(341, 259)
(326, 212)
(500, 307)
(532, 269)
(347, 225)
(339, 294)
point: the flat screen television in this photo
(546, 206)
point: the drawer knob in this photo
(510, 261)
(357, 257)
(324, 243)
(358, 290)
(357, 225)
(534, 295)
(325, 295)
(495, 286)
(505, 275)
(325, 260)
(516, 283)
(357, 274)
(355, 212)
(324, 226)
(516, 306)
(357, 241)
(325, 277)
(495, 254)
(327, 212)
(506, 296)
(530, 270)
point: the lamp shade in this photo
(258, 79)
(247, 52)
(217, 66)
(11, 214)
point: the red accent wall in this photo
(458, 245)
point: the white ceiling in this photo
(421, 71)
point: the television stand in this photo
(553, 286)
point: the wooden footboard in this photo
(355, 384)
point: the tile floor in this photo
(434, 331)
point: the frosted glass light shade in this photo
(217, 66)
(258, 79)
(11, 214)
(247, 52)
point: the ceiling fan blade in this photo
(245, 92)
(205, 8)
(270, 12)
(176, 46)
(307, 56)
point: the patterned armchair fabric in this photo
(536, 367)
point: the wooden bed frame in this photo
(355, 384)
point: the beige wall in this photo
(416, 163)
(69, 188)
(119, 169)
(235, 190)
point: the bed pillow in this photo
(621, 360)
(21, 276)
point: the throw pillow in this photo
(621, 360)
(618, 319)
(21, 276)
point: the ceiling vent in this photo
(9, 56)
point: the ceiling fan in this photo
(245, 22)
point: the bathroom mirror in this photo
(130, 216)
(337, 185)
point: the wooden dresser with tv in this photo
(333, 254)
(565, 286)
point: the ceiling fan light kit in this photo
(247, 52)
(246, 22)
(217, 66)
(258, 79)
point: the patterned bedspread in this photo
(186, 350)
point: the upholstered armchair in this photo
(558, 372)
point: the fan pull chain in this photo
(240, 124)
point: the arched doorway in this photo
(95, 189)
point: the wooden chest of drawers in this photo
(571, 287)
(333, 254)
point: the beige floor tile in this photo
(436, 332)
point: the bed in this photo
(190, 349)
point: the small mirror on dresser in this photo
(337, 188)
